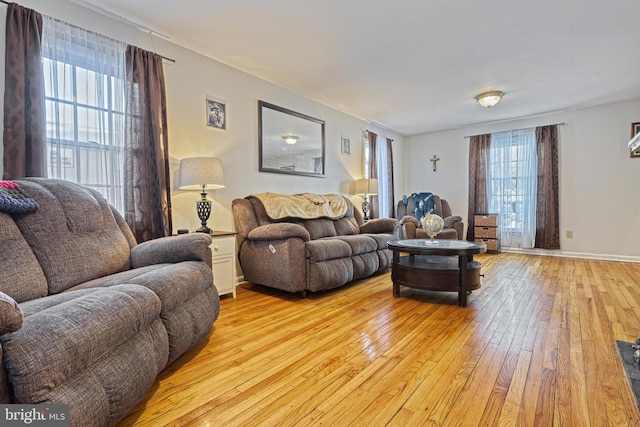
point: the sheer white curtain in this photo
(511, 187)
(84, 76)
(382, 158)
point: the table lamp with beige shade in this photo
(201, 173)
(365, 187)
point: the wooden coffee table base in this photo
(440, 265)
(433, 273)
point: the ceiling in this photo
(415, 66)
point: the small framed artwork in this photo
(346, 145)
(635, 129)
(216, 113)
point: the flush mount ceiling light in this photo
(290, 139)
(489, 99)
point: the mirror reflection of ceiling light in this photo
(290, 139)
(489, 99)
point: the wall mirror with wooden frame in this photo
(290, 142)
(634, 144)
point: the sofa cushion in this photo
(10, 314)
(327, 249)
(447, 233)
(329, 274)
(74, 226)
(172, 283)
(189, 302)
(21, 278)
(319, 228)
(346, 226)
(360, 244)
(73, 327)
(113, 385)
(382, 239)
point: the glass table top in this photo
(442, 244)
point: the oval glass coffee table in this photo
(432, 266)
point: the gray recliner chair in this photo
(411, 227)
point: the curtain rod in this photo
(162, 56)
(553, 124)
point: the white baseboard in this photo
(563, 254)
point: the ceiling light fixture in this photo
(489, 99)
(290, 139)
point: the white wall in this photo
(188, 81)
(599, 198)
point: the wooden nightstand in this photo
(223, 260)
(487, 230)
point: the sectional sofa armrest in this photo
(279, 231)
(408, 227)
(173, 249)
(379, 225)
(408, 219)
(456, 223)
(450, 221)
(10, 315)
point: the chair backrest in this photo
(74, 234)
(22, 278)
(442, 207)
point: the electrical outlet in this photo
(569, 234)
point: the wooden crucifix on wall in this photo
(434, 160)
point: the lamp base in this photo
(204, 229)
(203, 206)
(365, 209)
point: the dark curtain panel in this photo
(478, 164)
(373, 173)
(147, 203)
(24, 112)
(547, 207)
(390, 200)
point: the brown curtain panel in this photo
(147, 203)
(24, 112)
(373, 173)
(547, 207)
(479, 146)
(391, 203)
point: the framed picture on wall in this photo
(635, 129)
(216, 113)
(346, 145)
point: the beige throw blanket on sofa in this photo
(303, 206)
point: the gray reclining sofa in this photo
(316, 254)
(88, 317)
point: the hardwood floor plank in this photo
(513, 401)
(534, 347)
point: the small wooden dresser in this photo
(487, 230)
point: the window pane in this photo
(117, 99)
(58, 80)
(60, 121)
(62, 162)
(92, 126)
(91, 88)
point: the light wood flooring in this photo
(535, 346)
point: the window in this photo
(382, 157)
(383, 173)
(512, 180)
(84, 103)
